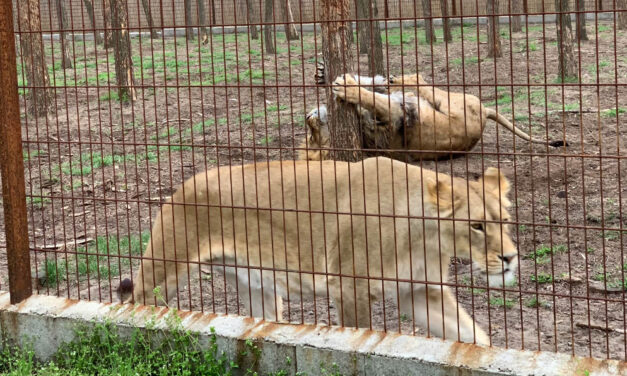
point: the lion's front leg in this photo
(384, 107)
(444, 313)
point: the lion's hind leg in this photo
(259, 296)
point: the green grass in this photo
(611, 235)
(37, 202)
(535, 302)
(467, 61)
(542, 278)
(27, 155)
(532, 46)
(613, 112)
(501, 302)
(545, 252)
(100, 259)
(87, 162)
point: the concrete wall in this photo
(50, 320)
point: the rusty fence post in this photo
(12, 163)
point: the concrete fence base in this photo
(46, 322)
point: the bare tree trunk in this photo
(34, 62)
(622, 16)
(582, 34)
(122, 49)
(369, 32)
(426, 11)
(92, 18)
(268, 19)
(106, 14)
(66, 62)
(250, 12)
(338, 55)
(148, 13)
(517, 7)
(202, 21)
(290, 29)
(445, 21)
(494, 38)
(567, 64)
(189, 32)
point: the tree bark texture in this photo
(426, 11)
(338, 56)
(64, 25)
(622, 16)
(189, 32)
(369, 32)
(122, 49)
(202, 21)
(446, 24)
(268, 19)
(31, 43)
(250, 13)
(494, 38)
(582, 34)
(290, 29)
(148, 13)
(517, 7)
(567, 65)
(106, 14)
(89, 6)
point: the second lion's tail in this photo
(507, 124)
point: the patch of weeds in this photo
(536, 302)
(110, 96)
(476, 291)
(600, 275)
(265, 141)
(611, 235)
(613, 112)
(37, 202)
(86, 162)
(566, 80)
(276, 108)
(532, 47)
(501, 302)
(467, 61)
(571, 106)
(56, 272)
(545, 251)
(590, 250)
(523, 228)
(603, 28)
(542, 278)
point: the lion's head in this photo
(317, 136)
(479, 210)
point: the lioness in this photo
(435, 120)
(287, 229)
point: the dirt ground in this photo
(97, 169)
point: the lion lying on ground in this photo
(435, 121)
(282, 230)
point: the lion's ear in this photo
(441, 195)
(497, 184)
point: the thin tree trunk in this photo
(202, 21)
(106, 13)
(250, 12)
(189, 32)
(290, 29)
(39, 103)
(369, 32)
(90, 13)
(567, 65)
(122, 49)
(66, 62)
(338, 55)
(445, 21)
(622, 16)
(426, 11)
(582, 34)
(494, 38)
(517, 7)
(148, 13)
(268, 19)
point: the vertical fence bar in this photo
(12, 164)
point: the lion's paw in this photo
(345, 88)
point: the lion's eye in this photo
(477, 226)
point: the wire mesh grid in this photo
(101, 162)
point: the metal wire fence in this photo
(383, 244)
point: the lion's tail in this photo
(515, 130)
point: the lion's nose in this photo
(507, 258)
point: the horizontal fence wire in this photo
(109, 163)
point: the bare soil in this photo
(97, 169)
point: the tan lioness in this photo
(282, 230)
(434, 121)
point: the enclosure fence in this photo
(493, 214)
